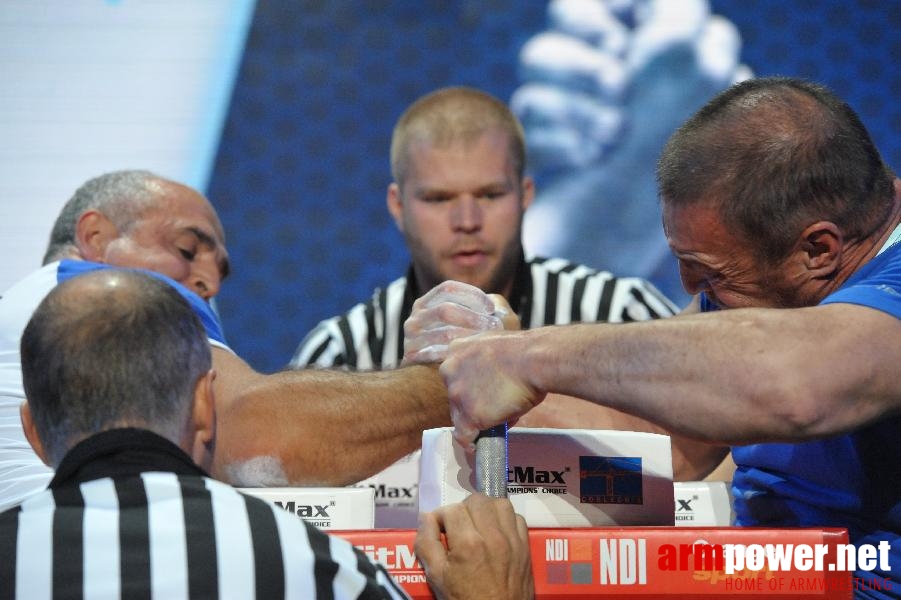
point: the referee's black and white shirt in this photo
(546, 291)
(129, 515)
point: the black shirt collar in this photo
(120, 453)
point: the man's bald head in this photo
(108, 349)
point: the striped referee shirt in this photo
(129, 515)
(546, 291)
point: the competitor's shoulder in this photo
(208, 317)
(38, 284)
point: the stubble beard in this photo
(499, 281)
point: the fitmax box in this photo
(697, 503)
(629, 562)
(396, 493)
(326, 508)
(703, 504)
(562, 477)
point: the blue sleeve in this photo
(880, 297)
(706, 304)
(208, 318)
(877, 285)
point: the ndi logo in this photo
(610, 480)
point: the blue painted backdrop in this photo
(303, 165)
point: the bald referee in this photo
(116, 368)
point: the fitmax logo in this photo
(385, 491)
(685, 505)
(306, 511)
(531, 475)
(684, 510)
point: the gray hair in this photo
(122, 196)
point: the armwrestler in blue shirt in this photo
(779, 208)
(21, 471)
(852, 480)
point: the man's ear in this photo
(528, 192)
(203, 419)
(93, 233)
(822, 243)
(31, 432)
(395, 205)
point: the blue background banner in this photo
(302, 169)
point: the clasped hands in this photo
(475, 338)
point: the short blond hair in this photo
(450, 115)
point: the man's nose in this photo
(205, 285)
(467, 214)
(693, 284)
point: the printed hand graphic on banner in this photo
(603, 88)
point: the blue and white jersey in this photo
(21, 471)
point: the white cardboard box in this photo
(396, 492)
(703, 504)
(562, 477)
(326, 508)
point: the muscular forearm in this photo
(323, 427)
(736, 377)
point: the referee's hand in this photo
(484, 552)
(449, 311)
